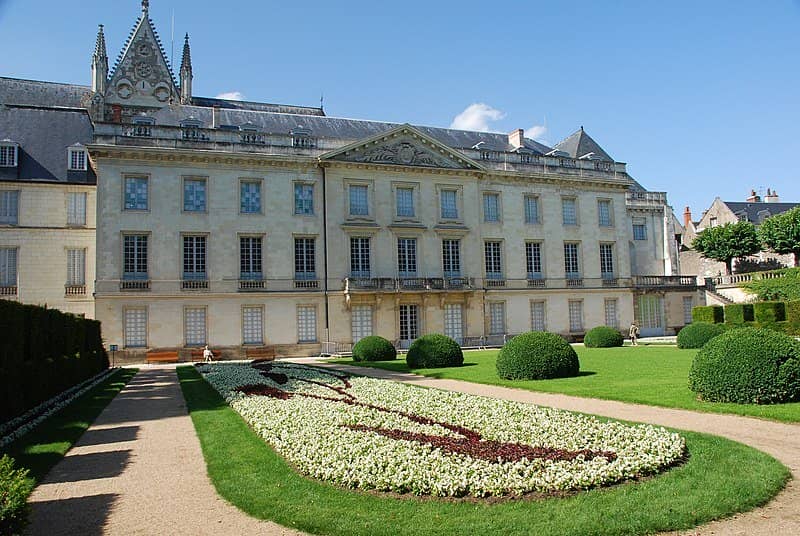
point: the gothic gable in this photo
(142, 76)
(402, 146)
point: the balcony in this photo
(75, 290)
(664, 281)
(252, 285)
(306, 284)
(646, 199)
(134, 284)
(194, 284)
(8, 290)
(392, 284)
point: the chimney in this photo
(754, 197)
(215, 117)
(772, 197)
(516, 138)
(687, 217)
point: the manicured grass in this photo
(248, 473)
(44, 446)
(653, 375)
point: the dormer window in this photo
(77, 158)
(251, 135)
(142, 126)
(301, 138)
(8, 153)
(486, 155)
(190, 129)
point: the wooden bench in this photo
(197, 354)
(162, 357)
(260, 352)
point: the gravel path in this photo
(138, 470)
(780, 517)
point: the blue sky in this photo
(699, 98)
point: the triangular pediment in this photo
(142, 75)
(403, 145)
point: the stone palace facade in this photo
(243, 224)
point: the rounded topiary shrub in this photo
(374, 348)
(603, 337)
(537, 355)
(434, 351)
(748, 366)
(697, 334)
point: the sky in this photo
(700, 98)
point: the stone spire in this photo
(186, 73)
(99, 63)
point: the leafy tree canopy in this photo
(781, 233)
(728, 242)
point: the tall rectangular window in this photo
(497, 318)
(250, 197)
(250, 258)
(454, 321)
(538, 320)
(8, 267)
(134, 251)
(407, 257)
(688, 304)
(76, 208)
(611, 312)
(194, 195)
(76, 267)
(569, 210)
(305, 262)
(405, 202)
(492, 257)
(359, 256)
(194, 326)
(76, 160)
(451, 257)
(136, 193)
(9, 207)
(572, 268)
(409, 323)
(304, 199)
(8, 156)
(533, 259)
(194, 257)
(491, 207)
(639, 229)
(575, 316)
(306, 323)
(532, 209)
(359, 200)
(607, 261)
(448, 204)
(604, 213)
(135, 327)
(252, 325)
(361, 318)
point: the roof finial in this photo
(100, 44)
(145, 6)
(186, 61)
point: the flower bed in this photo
(373, 434)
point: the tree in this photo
(781, 233)
(728, 242)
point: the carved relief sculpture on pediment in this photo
(403, 153)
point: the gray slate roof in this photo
(43, 135)
(36, 93)
(579, 144)
(752, 210)
(256, 106)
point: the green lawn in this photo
(248, 473)
(44, 446)
(654, 375)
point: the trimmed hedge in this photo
(748, 366)
(603, 337)
(697, 334)
(537, 355)
(374, 348)
(712, 314)
(793, 311)
(434, 351)
(769, 311)
(42, 353)
(738, 313)
(14, 490)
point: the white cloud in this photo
(536, 132)
(477, 117)
(231, 95)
